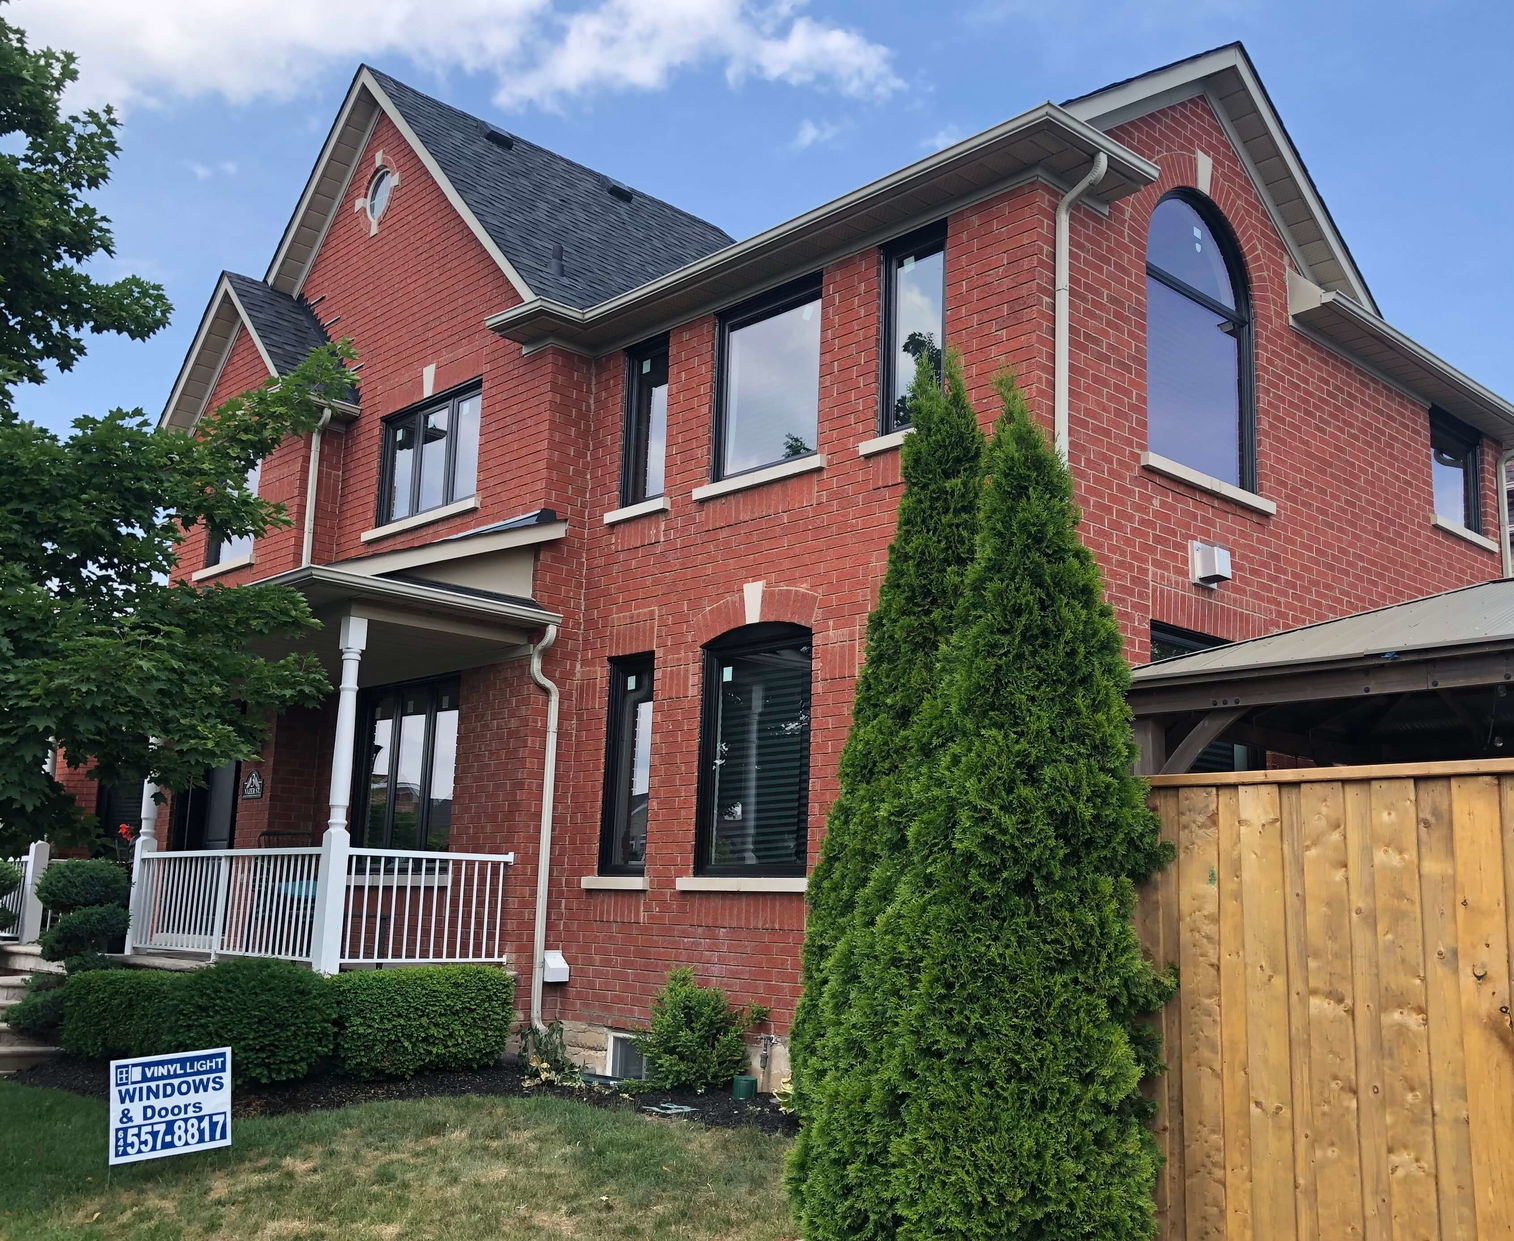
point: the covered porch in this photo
(368, 873)
(1423, 681)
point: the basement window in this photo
(769, 388)
(1454, 459)
(622, 1061)
(430, 454)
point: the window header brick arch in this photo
(755, 603)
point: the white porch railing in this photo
(329, 906)
(27, 924)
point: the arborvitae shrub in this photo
(78, 883)
(277, 1017)
(400, 1022)
(694, 1040)
(1000, 1098)
(941, 465)
(94, 929)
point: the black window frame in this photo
(919, 244)
(1240, 317)
(417, 414)
(1467, 441)
(637, 421)
(747, 640)
(215, 544)
(362, 768)
(620, 755)
(765, 306)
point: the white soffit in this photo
(1228, 80)
(207, 357)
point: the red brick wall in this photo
(1344, 456)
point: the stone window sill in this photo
(1461, 532)
(657, 504)
(420, 519)
(741, 883)
(226, 566)
(1159, 464)
(883, 443)
(614, 883)
(756, 478)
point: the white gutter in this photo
(1501, 481)
(1060, 434)
(544, 839)
(307, 546)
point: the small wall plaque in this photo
(252, 787)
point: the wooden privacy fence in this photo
(1340, 1052)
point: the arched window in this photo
(1198, 343)
(754, 751)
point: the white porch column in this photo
(29, 928)
(353, 639)
(147, 843)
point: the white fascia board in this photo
(453, 548)
(1162, 88)
(390, 590)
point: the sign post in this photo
(169, 1105)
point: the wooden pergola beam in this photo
(1200, 737)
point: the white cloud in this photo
(539, 52)
(203, 172)
(817, 133)
(947, 136)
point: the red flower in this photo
(124, 831)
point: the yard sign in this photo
(169, 1105)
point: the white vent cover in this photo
(554, 967)
(1209, 563)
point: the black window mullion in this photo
(449, 467)
(1188, 291)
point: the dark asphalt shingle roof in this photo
(286, 325)
(529, 199)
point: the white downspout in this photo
(544, 839)
(307, 547)
(1501, 481)
(1060, 434)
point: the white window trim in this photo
(657, 504)
(883, 443)
(611, 1038)
(465, 505)
(224, 566)
(741, 883)
(756, 478)
(1159, 464)
(1461, 532)
(614, 883)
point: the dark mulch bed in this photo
(718, 1109)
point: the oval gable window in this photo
(1198, 343)
(378, 193)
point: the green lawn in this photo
(453, 1169)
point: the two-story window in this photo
(768, 404)
(914, 316)
(238, 547)
(628, 767)
(646, 425)
(407, 764)
(1454, 462)
(1199, 403)
(430, 454)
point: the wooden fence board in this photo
(1341, 1049)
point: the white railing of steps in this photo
(26, 922)
(328, 907)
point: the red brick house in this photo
(596, 545)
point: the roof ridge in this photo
(388, 79)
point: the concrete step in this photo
(24, 1056)
(12, 989)
(26, 959)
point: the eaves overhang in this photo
(323, 585)
(1366, 338)
(1046, 143)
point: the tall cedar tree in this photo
(97, 652)
(941, 464)
(1003, 982)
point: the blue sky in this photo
(749, 114)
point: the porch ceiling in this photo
(416, 628)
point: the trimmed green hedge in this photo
(113, 1014)
(40, 1011)
(78, 883)
(94, 929)
(275, 1016)
(400, 1022)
